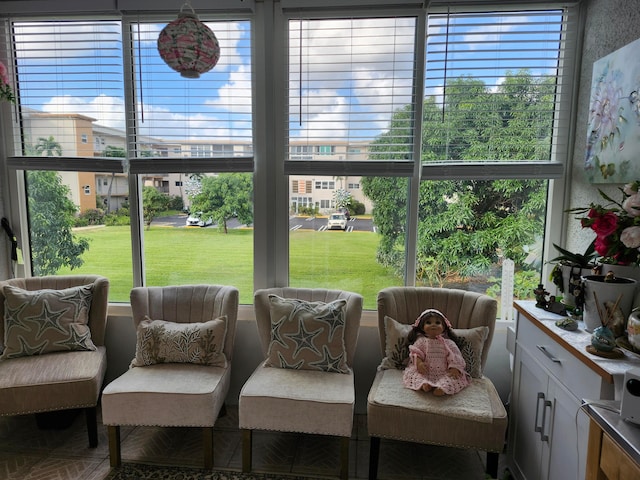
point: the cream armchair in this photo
(60, 380)
(182, 371)
(302, 400)
(474, 418)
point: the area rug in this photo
(132, 471)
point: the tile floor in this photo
(30, 453)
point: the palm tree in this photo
(48, 147)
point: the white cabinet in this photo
(552, 375)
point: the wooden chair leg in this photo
(91, 416)
(115, 458)
(374, 452)
(344, 458)
(246, 450)
(207, 444)
(492, 464)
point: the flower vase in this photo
(620, 291)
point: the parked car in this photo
(337, 220)
(195, 220)
(346, 213)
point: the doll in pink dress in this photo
(435, 361)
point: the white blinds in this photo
(194, 119)
(70, 92)
(347, 80)
(86, 94)
(498, 86)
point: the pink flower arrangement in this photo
(6, 92)
(616, 225)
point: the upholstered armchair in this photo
(181, 372)
(52, 343)
(305, 384)
(474, 418)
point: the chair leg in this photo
(492, 464)
(344, 458)
(246, 450)
(374, 451)
(115, 458)
(90, 414)
(207, 444)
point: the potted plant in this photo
(568, 271)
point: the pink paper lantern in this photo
(188, 46)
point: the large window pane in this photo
(70, 231)
(483, 236)
(347, 79)
(70, 79)
(490, 86)
(360, 256)
(205, 117)
(201, 230)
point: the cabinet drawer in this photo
(569, 371)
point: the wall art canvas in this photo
(613, 135)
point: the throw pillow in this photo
(396, 344)
(158, 341)
(307, 335)
(470, 341)
(44, 321)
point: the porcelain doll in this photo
(435, 361)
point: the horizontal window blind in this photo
(497, 86)
(351, 85)
(69, 86)
(206, 119)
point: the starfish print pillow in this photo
(307, 335)
(44, 321)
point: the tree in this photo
(48, 147)
(51, 217)
(225, 196)
(152, 202)
(467, 226)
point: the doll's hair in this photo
(417, 327)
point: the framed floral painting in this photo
(613, 134)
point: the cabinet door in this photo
(530, 395)
(569, 434)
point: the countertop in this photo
(625, 434)
(610, 369)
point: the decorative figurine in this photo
(541, 296)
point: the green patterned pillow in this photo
(44, 321)
(470, 341)
(158, 341)
(307, 335)
(396, 345)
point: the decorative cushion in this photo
(307, 335)
(397, 346)
(43, 321)
(158, 341)
(470, 342)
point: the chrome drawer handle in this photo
(550, 356)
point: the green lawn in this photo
(175, 256)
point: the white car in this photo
(337, 220)
(195, 220)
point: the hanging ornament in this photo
(188, 46)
